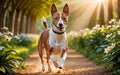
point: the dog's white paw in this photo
(43, 68)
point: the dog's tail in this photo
(45, 22)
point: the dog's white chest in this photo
(58, 42)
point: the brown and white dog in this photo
(54, 39)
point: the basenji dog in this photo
(53, 39)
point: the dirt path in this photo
(75, 63)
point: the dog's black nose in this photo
(60, 24)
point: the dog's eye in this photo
(56, 18)
(64, 18)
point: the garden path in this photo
(75, 63)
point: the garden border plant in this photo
(100, 44)
(14, 49)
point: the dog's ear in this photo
(53, 9)
(66, 9)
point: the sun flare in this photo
(99, 1)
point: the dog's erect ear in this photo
(53, 9)
(66, 9)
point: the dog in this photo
(54, 39)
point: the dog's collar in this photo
(57, 32)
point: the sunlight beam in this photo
(99, 1)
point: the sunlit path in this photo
(75, 64)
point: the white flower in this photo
(110, 22)
(81, 31)
(112, 45)
(109, 48)
(109, 26)
(108, 35)
(113, 20)
(5, 28)
(9, 33)
(2, 47)
(16, 37)
(113, 27)
(106, 50)
(119, 22)
(118, 32)
(8, 38)
(86, 29)
(97, 27)
(1, 34)
(117, 26)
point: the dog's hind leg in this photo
(48, 59)
(40, 51)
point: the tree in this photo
(4, 4)
(118, 9)
(15, 4)
(110, 10)
(102, 14)
(32, 9)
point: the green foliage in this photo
(101, 44)
(7, 60)
(25, 40)
(13, 49)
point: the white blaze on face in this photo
(60, 20)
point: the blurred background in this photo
(24, 16)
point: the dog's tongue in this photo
(60, 28)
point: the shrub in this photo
(8, 59)
(25, 40)
(100, 42)
(13, 49)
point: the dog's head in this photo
(59, 20)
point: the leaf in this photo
(2, 69)
(99, 49)
(13, 57)
(118, 59)
(9, 69)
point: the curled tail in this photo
(45, 22)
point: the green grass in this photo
(24, 51)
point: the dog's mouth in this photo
(60, 28)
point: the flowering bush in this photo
(25, 40)
(15, 48)
(103, 42)
(8, 56)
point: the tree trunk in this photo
(34, 25)
(3, 10)
(102, 14)
(11, 26)
(110, 10)
(118, 9)
(2, 20)
(21, 22)
(17, 22)
(27, 24)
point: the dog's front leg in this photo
(52, 57)
(62, 60)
